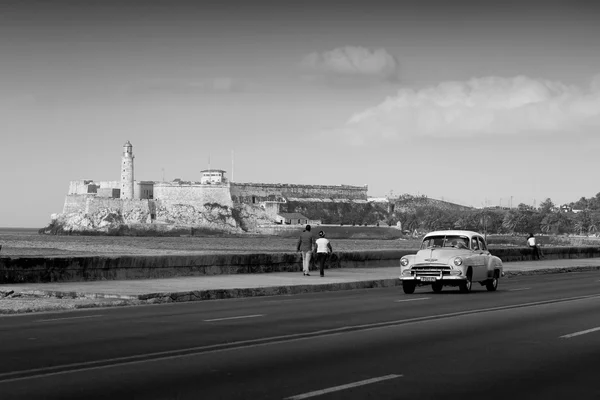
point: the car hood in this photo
(438, 255)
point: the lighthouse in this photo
(127, 171)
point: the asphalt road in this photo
(537, 337)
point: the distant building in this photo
(291, 219)
(212, 176)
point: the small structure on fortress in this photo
(210, 176)
(193, 203)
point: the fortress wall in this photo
(109, 184)
(193, 194)
(143, 190)
(74, 203)
(108, 192)
(245, 192)
(80, 186)
(94, 204)
(87, 186)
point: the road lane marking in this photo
(516, 290)
(343, 387)
(84, 366)
(228, 318)
(417, 299)
(570, 335)
(67, 318)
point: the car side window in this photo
(474, 245)
(482, 245)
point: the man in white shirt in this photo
(323, 250)
(533, 246)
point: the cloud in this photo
(352, 62)
(181, 87)
(480, 106)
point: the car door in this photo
(486, 256)
(478, 260)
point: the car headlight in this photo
(404, 261)
(458, 261)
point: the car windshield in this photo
(451, 241)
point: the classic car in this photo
(451, 258)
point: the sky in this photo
(477, 103)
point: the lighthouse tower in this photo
(127, 171)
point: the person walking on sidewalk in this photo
(533, 246)
(305, 245)
(323, 250)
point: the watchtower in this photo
(127, 171)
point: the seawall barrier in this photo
(122, 267)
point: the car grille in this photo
(431, 270)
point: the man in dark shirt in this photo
(305, 245)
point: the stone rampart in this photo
(195, 194)
(75, 203)
(258, 192)
(88, 186)
(95, 204)
(80, 186)
(56, 269)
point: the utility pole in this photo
(232, 166)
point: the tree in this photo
(581, 204)
(524, 207)
(583, 222)
(546, 206)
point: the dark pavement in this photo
(538, 336)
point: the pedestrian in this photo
(533, 246)
(323, 250)
(305, 245)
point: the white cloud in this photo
(180, 86)
(351, 61)
(480, 106)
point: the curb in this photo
(219, 294)
(558, 270)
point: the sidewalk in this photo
(264, 284)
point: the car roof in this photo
(453, 233)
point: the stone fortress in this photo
(206, 203)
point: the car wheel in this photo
(492, 284)
(465, 287)
(409, 287)
(437, 287)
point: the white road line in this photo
(417, 299)
(342, 387)
(570, 335)
(67, 318)
(516, 290)
(241, 316)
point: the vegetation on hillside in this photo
(422, 214)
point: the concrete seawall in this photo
(90, 268)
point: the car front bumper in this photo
(431, 279)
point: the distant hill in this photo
(408, 203)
